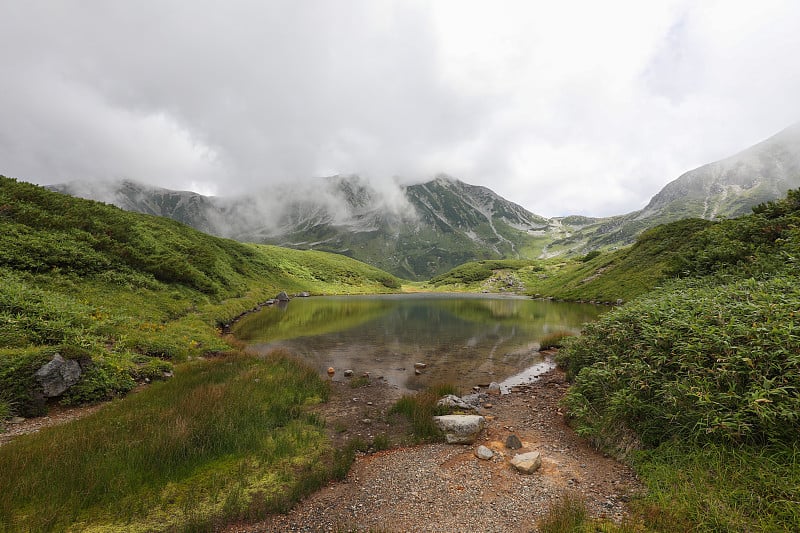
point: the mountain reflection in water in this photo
(463, 339)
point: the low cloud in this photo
(565, 108)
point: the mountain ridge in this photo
(420, 230)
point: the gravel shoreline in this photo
(446, 488)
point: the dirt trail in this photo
(446, 488)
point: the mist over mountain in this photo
(727, 188)
(414, 231)
(418, 231)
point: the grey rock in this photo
(282, 297)
(527, 463)
(453, 401)
(494, 388)
(348, 373)
(58, 375)
(460, 429)
(513, 442)
(420, 365)
(482, 452)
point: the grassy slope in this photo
(607, 277)
(129, 296)
(699, 371)
(702, 373)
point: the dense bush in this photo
(700, 362)
(712, 357)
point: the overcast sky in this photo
(563, 107)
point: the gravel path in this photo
(445, 488)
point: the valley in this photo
(693, 372)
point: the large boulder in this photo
(56, 376)
(460, 429)
(282, 297)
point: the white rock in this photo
(527, 463)
(460, 429)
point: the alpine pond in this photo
(466, 340)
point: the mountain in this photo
(723, 189)
(414, 231)
(419, 231)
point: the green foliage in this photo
(591, 255)
(223, 440)
(476, 271)
(420, 408)
(101, 381)
(719, 488)
(568, 515)
(81, 277)
(694, 361)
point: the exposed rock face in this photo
(460, 429)
(527, 463)
(58, 375)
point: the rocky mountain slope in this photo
(418, 231)
(723, 189)
(414, 231)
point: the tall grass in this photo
(224, 439)
(720, 488)
(420, 408)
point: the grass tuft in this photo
(420, 408)
(569, 514)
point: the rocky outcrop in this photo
(58, 375)
(460, 429)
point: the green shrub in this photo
(696, 361)
(101, 381)
(420, 408)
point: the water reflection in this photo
(466, 340)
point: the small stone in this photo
(366, 421)
(417, 372)
(331, 371)
(527, 463)
(484, 453)
(513, 442)
(494, 388)
(16, 420)
(488, 406)
(348, 373)
(420, 365)
(369, 403)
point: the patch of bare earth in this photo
(447, 488)
(56, 415)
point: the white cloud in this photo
(563, 107)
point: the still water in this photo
(463, 339)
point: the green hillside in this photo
(697, 382)
(133, 299)
(128, 294)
